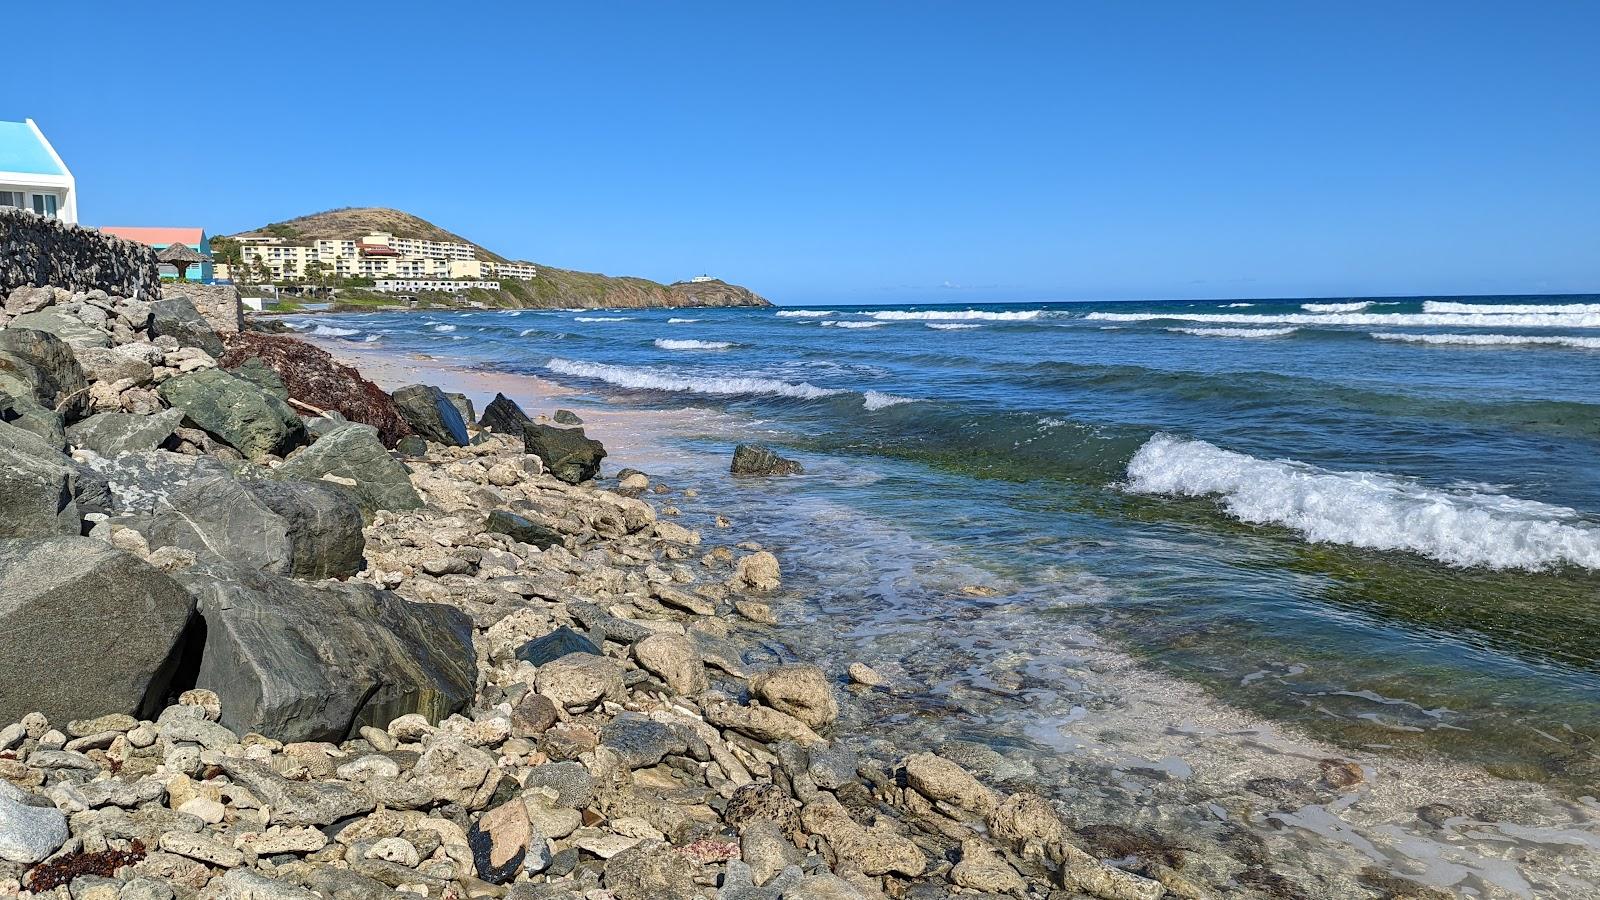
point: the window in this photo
(15, 199)
(45, 205)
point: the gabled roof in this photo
(158, 237)
(23, 149)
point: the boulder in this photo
(262, 376)
(503, 416)
(982, 868)
(28, 834)
(300, 528)
(70, 329)
(139, 483)
(38, 487)
(755, 459)
(757, 572)
(938, 778)
(311, 375)
(177, 318)
(463, 405)
(675, 660)
(25, 299)
(431, 414)
(115, 433)
(236, 412)
(566, 417)
(761, 723)
(306, 662)
(876, 851)
(520, 529)
(106, 364)
(566, 452)
(580, 680)
(25, 413)
(39, 365)
(355, 452)
(802, 691)
(90, 630)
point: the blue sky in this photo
(880, 152)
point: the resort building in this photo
(378, 255)
(525, 271)
(32, 175)
(414, 285)
(195, 239)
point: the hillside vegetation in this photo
(552, 289)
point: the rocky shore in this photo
(277, 633)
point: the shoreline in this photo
(1366, 796)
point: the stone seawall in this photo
(35, 252)
(218, 303)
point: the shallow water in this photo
(1062, 529)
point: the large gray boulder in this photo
(431, 415)
(89, 630)
(314, 662)
(177, 318)
(354, 452)
(105, 364)
(298, 528)
(138, 484)
(39, 365)
(24, 412)
(69, 328)
(503, 416)
(567, 453)
(115, 433)
(38, 487)
(236, 412)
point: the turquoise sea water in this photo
(1374, 521)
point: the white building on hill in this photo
(379, 255)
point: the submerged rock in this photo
(755, 459)
(431, 414)
(90, 630)
(566, 452)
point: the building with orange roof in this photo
(162, 238)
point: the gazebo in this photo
(181, 257)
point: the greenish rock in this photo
(113, 434)
(431, 414)
(269, 642)
(258, 373)
(354, 452)
(236, 412)
(24, 412)
(522, 529)
(567, 417)
(39, 365)
(69, 328)
(298, 528)
(37, 487)
(756, 459)
(90, 630)
(178, 319)
(412, 446)
(567, 453)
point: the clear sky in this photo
(823, 152)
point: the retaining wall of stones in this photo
(219, 303)
(38, 252)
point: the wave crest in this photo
(1459, 320)
(1492, 340)
(669, 344)
(667, 380)
(1236, 332)
(803, 313)
(1336, 307)
(896, 315)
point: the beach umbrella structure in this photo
(181, 256)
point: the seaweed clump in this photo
(104, 863)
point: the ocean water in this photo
(1373, 523)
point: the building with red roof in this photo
(162, 238)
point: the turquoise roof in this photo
(22, 151)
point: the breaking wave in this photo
(1492, 340)
(1370, 510)
(331, 331)
(667, 380)
(668, 344)
(1336, 307)
(952, 326)
(1445, 306)
(880, 400)
(445, 328)
(1236, 305)
(842, 324)
(1459, 320)
(601, 318)
(1236, 332)
(804, 313)
(896, 315)
(681, 321)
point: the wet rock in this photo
(235, 412)
(675, 660)
(517, 528)
(503, 416)
(579, 680)
(937, 778)
(295, 803)
(756, 572)
(268, 641)
(566, 452)
(28, 833)
(177, 318)
(755, 459)
(802, 691)
(431, 415)
(762, 723)
(1082, 872)
(876, 851)
(115, 433)
(304, 529)
(312, 376)
(499, 842)
(1025, 821)
(865, 675)
(982, 868)
(354, 452)
(89, 630)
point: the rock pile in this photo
(315, 670)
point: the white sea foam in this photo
(1236, 332)
(444, 328)
(1364, 509)
(843, 324)
(1445, 306)
(371, 339)
(804, 313)
(668, 380)
(669, 344)
(952, 326)
(1492, 340)
(332, 331)
(879, 400)
(681, 321)
(897, 315)
(1336, 307)
(601, 318)
(1457, 320)
(527, 331)
(1236, 305)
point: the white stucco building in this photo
(32, 174)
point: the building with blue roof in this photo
(32, 175)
